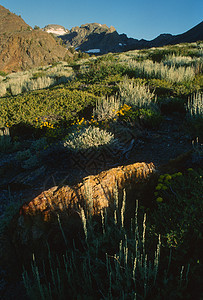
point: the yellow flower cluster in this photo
(123, 110)
(46, 125)
(83, 122)
(163, 184)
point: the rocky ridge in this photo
(104, 39)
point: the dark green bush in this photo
(179, 208)
(171, 104)
(3, 73)
(51, 105)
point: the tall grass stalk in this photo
(61, 228)
(84, 221)
(115, 265)
(195, 105)
(106, 108)
(123, 209)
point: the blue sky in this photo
(138, 19)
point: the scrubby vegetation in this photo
(154, 253)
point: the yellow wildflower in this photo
(168, 177)
(159, 199)
(159, 186)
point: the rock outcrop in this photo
(22, 48)
(38, 221)
(95, 38)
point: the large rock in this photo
(39, 221)
(100, 189)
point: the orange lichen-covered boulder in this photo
(42, 220)
(96, 188)
(56, 213)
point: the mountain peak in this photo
(55, 29)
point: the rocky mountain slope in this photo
(98, 38)
(23, 48)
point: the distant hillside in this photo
(23, 48)
(190, 36)
(98, 38)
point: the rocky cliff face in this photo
(95, 38)
(23, 48)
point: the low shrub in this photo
(106, 108)
(135, 94)
(179, 209)
(89, 137)
(56, 104)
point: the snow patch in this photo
(93, 51)
(59, 31)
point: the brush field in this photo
(143, 105)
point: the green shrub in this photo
(6, 143)
(58, 103)
(31, 162)
(40, 144)
(23, 155)
(3, 74)
(149, 118)
(99, 71)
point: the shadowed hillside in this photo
(98, 38)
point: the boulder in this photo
(99, 187)
(56, 213)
